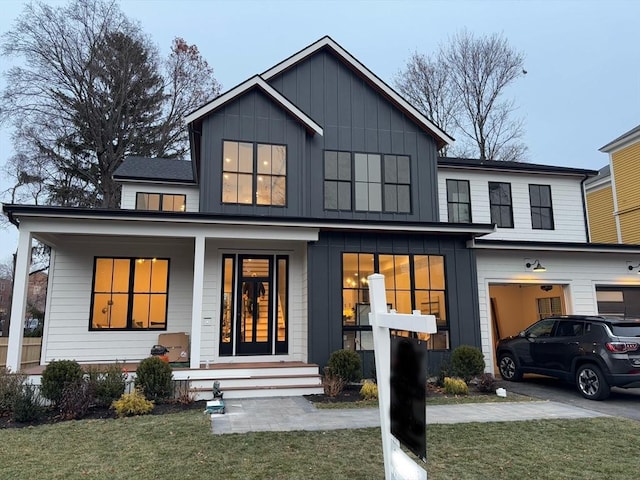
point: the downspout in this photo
(584, 209)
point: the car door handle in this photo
(574, 343)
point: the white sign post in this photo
(397, 464)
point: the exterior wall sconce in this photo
(633, 267)
(537, 267)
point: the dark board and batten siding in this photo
(325, 286)
(354, 118)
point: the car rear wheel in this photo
(508, 368)
(591, 382)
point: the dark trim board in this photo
(325, 287)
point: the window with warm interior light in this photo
(412, 282)
(164, 202)
(129, 293)
(254, 174)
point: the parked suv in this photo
(594, 352)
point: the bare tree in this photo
(468, 81)
(90, 91)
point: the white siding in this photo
(579, 273)
(566, 198)
(129, 190)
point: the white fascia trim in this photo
(485, 168)
(598, 184)
(255, 81)
(351, 60)
(622, 142)
(157, 182)
(554, 248)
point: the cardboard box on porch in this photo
(177, 344)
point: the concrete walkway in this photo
(295, 413)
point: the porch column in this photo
(19, 302)
(196, 309)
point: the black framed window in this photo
(254, 173)
(458, 201)
(541, 207)
(412, 282)
(129, 293)
(367, 182)
(164, 202)
(500, 204)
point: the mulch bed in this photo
(97, 413)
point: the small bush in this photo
(346, 364)
(56, 376)
(467, 362)
(11, 385)
(332, 384)
(486, 383)
(154, 378)
(27, 406)
(132, 403)
(369, 390)
(76, 399)
(108, 383)
(182, 392)
(455, 386)
(443, 372)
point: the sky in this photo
(582, 87)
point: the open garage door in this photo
(516, 306)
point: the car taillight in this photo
(621, 347)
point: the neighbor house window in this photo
(412, 282)
(161, 202)
(254, 174)
(541, 208)
(500, 203)
(130, 293)
(368, 182)
(458, 201)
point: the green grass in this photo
(181, 446)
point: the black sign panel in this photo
(408, 383)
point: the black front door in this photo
(254, 318)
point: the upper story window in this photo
(541, 208)
(500, 203)
(129, 293)
(369, 182)
(161, 202)
(254, 173)
(458, 201)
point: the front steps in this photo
(253, 380)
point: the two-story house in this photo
(303, 181)
(539, 261)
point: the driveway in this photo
(621, 403)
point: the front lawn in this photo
(180, 446)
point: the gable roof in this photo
(487, 165)
(155, 169)
(441, 138)
(622, 140)
(256, 82)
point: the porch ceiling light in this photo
(538, 268)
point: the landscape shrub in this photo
(108, 383)
(467, 362)
(10, 387)
(154, 378)
(332, 384)
(455, 386)
(76, 399)
(346, 364)
(133, 403)
(27, 405)
(486, 383)
(56, 376)
(369, 390)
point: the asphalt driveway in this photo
(621, 403)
